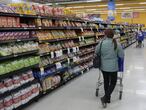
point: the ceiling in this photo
(92, 6)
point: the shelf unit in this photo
(75, 64)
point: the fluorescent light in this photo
(142, 3)
(101, 5)
(139, 9)
(119, 4)
(94, 1)
(124, 8)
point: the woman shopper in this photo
(140, 38)
(109, 50)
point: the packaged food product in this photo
(23, 96)
(2, 87)
(16, 81)
(30, 75)
(2, 104)
(16, 99)
(8, 103)
(8, 84)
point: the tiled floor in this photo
(80, 93)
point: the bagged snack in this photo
(8, 103)
(8, 84)
(2, 104)
(16, 99)
(16, 81)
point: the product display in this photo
(14, 35)
(10, 66)
(55, 34)
(16, 48)
(15, 82)
(43, 47)
(19, 98)
(51, 82)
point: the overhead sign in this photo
(111, 10)
(127, 15)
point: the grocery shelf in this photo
(35, 99)
(3, 95)
(18, 40)
(43, 94)
(88, 44)
(80, 62)
(73, 76)
(85, 53)
(4, 29)
(17, 15)
(59, 39)
(33, 52)
(63, 39)
(20, 71)
(58, 71)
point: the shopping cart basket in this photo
(120, 79)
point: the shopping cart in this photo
(138, 45)
(119, 82)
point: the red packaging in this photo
(10, 23)
(4, 21)
(1, 104)
(35, 90)
(25, 77)
(17, 22)
(14, 22)
(8, 103)
(9, 84)
(17, 100)
(16, 81)
(2, 87)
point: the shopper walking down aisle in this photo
(140, 38)
(109, 50)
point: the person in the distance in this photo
(110, 51)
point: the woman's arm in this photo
(97, 48)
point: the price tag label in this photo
(83, 38)
(87, 69)
(68, 60)
(68, 50)
(91, 29)
(82, 29)
(25, 28)
(39, 16)
(18, 40)
(77, 49)
(82, 72)
(42, 70)
(52, 54)
(75, 59)
(57, 53)
(58, 65)
(61, 52)
(40, 27)
(74, 49)
(21, 15)
(80, 39)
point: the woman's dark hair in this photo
(109, 33)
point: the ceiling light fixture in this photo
(119, 4)
(142, 3)
(94, 1)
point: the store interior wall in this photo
(140, 19)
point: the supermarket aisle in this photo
(80, 93)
